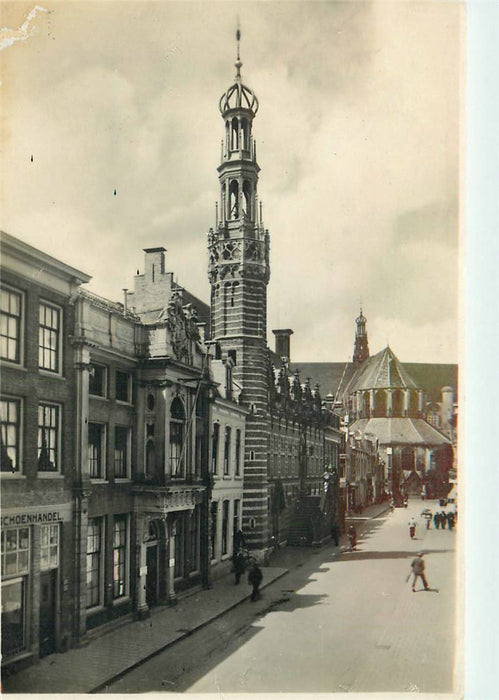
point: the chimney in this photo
(154, 263)
(282, 343)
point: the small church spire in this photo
(361, 346)
(238, 62)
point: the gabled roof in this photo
(382, 371)
(400, 431)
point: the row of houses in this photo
(123, 451)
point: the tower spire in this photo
(361, 346)
(238, 63)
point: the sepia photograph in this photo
(232, 322)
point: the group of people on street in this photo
(442, 519)
(240, 560)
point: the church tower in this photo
(239, 272)
(361, 346)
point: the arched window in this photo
(380, 404)
(227, 136)
(247, 199)
(244, 134)
(234, 200)
(366, 405)
(397, 403)
(234, 145)
(177, 428)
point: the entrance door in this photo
(152, 583)
(47, 612)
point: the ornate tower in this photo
(361, 346)
(239, 273)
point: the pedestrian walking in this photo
(428, 517)
(239, 540)
(443, 519)
(436, 520)
(238, 565)
(418, 567)
(352, 536)
(451, 520)
(255, 577)
(412, 528)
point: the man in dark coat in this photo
(418, 567)
(255, 577)
(239, 565)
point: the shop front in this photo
(35, 618)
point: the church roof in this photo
(381, 371)
(400, 431)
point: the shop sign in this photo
(40, 515)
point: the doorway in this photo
(47, 632)
(152, 576)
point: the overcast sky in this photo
(358, 144)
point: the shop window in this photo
(49, 337)
(10, 435)
(225, 526)
(194, 541)
(123, 386)
(179, 547)
(97, 381)
(94, 562)
(13, 616)
(10, 325)
(48, 437)
(15, 551)
(119, 556)
(49, 547)
(177, 427)
(96, 450)
(121, 452)
(227, 451)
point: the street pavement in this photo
(354, 625)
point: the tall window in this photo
(49, 330)
(177, 424)
(15, 566)
(214, 447)
(121, 452)
(235, 519)
(225, 526)
(238, 452)
(94, 562)
(179, 546)
(123, 386)
(49, 547)
(96, 450)
(227, 451)
(213, 525)
(10, 325)
(48, 438)
(194, 540)
(10, 432)
(119, 556)
(97, 383)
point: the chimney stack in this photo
(282, 343)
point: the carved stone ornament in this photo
(182, 325)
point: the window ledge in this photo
(52, 375)
(9, 475)
(9, 364)
(16, 656)
(94, 609)
(124, 403)
(121, 601)
(98, 397)
(50, 475)
(98, 480)
(122, 479)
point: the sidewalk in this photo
(90, 667)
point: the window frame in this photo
(126, 564)
(227, 450)
(58, 351)
(238, 452)
(215, 443)
(105, 381)
(129, 394)
(103, 451)
(177, 453)
(224, 546)
(128, 451)
(22, 580)
(19, 429)
(100, 523)
(17, 550)
(20, 325)
(58, 439)
(49, 529)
